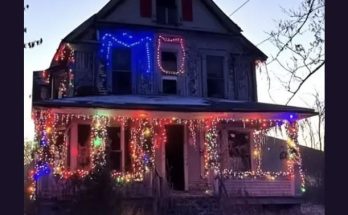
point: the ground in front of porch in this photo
(189, 205)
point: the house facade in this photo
(164, 94)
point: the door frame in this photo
(185, 160)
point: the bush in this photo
(98, 195)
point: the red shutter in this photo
(145, 8)
(187, 10)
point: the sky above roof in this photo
(53, 20)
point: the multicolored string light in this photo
(66, 56)
(294, 155)
(178, 41)
(146, 135)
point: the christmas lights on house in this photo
(178, 42)
(141, 43)
(147, 134)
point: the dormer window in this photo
(167, 12)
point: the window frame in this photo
(166, 21)
(120, 150)
(222, 54)
(115, 90)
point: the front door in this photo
(174, 152)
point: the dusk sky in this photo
(54, 19)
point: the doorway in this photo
(174, 153)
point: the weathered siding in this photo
(258, 187)
(85, 69)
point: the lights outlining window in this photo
(140, 43)
(163, 57)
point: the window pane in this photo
(161, 14)
(84, 132)
(121, 59)
(215, 76)
(122, 82)
(114, 138)
(169, 87)
(215, 67)
(239, 151)
(169, 61)
(216, 88)
(172, 16)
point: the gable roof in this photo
(114, 4)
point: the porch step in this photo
(192, 205)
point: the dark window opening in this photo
(121, 71)
(169, 61)
(215, 76)
(167, 12)
(83, 138)
(113, 148)
(169, 87)
(127, 151)
(56, 81)
(83, 134)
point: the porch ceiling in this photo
(193, 107)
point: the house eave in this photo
(179, 104)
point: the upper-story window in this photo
(215, 76)
(167, 12)
(122, 71)
(169, 61)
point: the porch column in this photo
(295, 159)
(73, 146)
(122, 147)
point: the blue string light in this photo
(41, 171)
(139, 42)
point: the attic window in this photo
(167, 12)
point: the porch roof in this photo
(173, 104)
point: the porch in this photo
(154, 152)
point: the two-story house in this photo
(162, 88)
